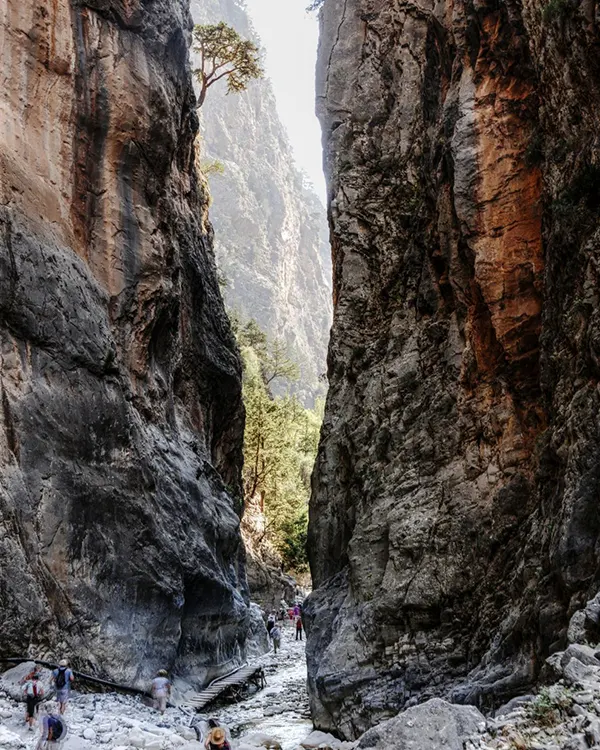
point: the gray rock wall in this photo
(453, 518)
(121, 418)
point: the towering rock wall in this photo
(121, 419)
(271, 237)
(454, 525)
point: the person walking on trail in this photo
(54, 730)
(63, 677)
(276, 638)
(296, 610)
(298, 628)
(270, 623)
(161, 690)
(217, 740)
(33, 695)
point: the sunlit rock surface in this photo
(120, 429)
(454, 525)
(271, 235)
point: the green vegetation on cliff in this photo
(280, 444)
(224, 54)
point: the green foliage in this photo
(293, 547)
(224, 54)
(280, 444)
(548, 708)
(212, 166)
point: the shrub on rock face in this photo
(435, 725)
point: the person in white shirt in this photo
(161, 690)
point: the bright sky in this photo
(290, 36)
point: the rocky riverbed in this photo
(564, 715)
(277, 714)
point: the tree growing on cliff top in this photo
(224, 54)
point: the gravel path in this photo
(119, 722)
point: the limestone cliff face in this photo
(271, 237)
(454, 524)
(121, 419)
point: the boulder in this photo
(435, 725)
(520, 700)
(10, 739)
(583, 653)
(592, 612)
(12, 680)
(578, 674)
(325, 741)
(260, 739)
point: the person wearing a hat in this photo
(161, 690)
(217, 740)
(62, 677)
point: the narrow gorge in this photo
(157, 248)
(271, 234)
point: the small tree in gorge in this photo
(224, 54)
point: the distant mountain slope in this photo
(271, 235)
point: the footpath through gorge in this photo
(277, 715)
(564, 715)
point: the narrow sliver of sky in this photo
(290, 36)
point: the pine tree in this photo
(224, 54)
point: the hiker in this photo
(216, 739)
(276, 637)
(296, 610)
(63, 677)
(33, 695)
(161, 690)
(54, 730)
(298, 628)
(270, 623)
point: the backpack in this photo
(61, 678)
(56, 726)
(34, 689)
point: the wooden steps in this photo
(233, 683)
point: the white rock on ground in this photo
(565, 716)
(429, 726)
(111, 721)
(325, 741)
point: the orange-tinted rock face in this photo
(453, 525)
(120, 429)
